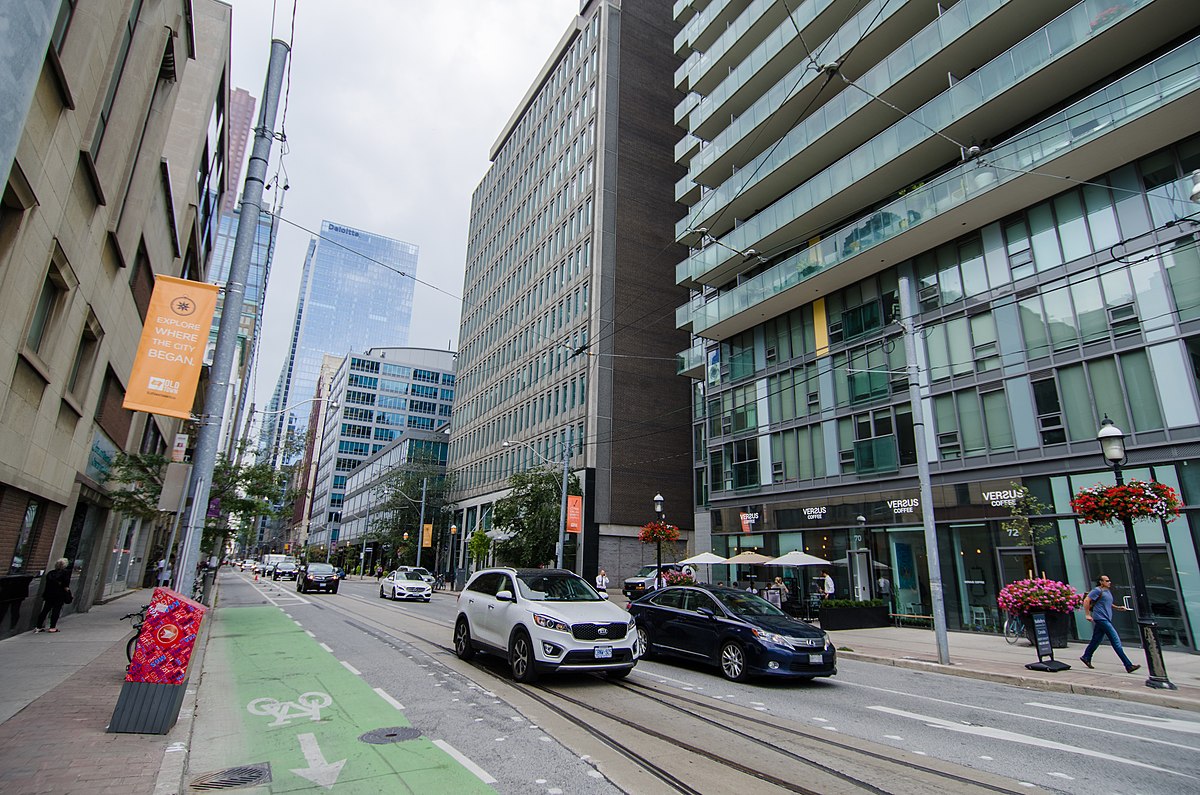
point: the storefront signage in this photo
(904, 506)
(101, 457)
(1002, 499)
(748, 520)
(814, 514)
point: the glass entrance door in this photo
(1165, 604)
(1016, 563)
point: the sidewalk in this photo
(59, 691)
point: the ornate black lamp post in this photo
(658, 509)
(1112, 444)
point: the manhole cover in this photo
(395, 734)
(234, 777)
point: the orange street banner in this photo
(574, 513)
(427, 535)
(171, 352)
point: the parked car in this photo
(743, 634)
(645, 580)
(543, 620)
(405, 585)
(318, 577)
(285, 570)
(423, 572)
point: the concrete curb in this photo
(1154, 697)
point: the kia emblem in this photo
(602, 631)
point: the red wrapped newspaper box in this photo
(155, 681)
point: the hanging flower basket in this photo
(656, 531)
(678, 578)
(1137, 499)
(1039, 596)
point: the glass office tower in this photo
(1022, 175)
(356, 292)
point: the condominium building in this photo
(1018, 180)
(567, 343)
(120, 138)
(375, 398)
(356, 291)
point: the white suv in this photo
(543, 620)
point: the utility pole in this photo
(421, 521)
(209, 436)
(562, 507)
(907, 313)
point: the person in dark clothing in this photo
(55, 595)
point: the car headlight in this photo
(771, 637)
(632, 624)
(549, 622)
(827, 643)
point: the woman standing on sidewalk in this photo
(56, 594)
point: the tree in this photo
(478, 545)
(1022, 528)
(242, 493)
(138, 480)
(530, 514)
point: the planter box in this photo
(853, 617)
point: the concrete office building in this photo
(120, 139)
(375, 398)
(1021, 175)
(356, 291)
(567, 340)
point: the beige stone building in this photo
(117, 176)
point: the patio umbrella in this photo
(797, 558)
(875, 564)
(748, 558)
(707, 558)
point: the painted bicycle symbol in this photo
(307, 705)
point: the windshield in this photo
(744, 603)
(320, 568)
(539, 587)
(287, 565)
(411, 575)
(646, 571)
(421, 572)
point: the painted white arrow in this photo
(322, 773)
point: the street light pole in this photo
(662, 517)
(1112, 444)
(421, 521)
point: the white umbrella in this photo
(876, 564)
(706, 558)
(747, 558)
(797, 558)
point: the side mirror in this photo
(707, 611)
(505, 596)
(603, 594)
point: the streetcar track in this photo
(649, 766)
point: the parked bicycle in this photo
(136, 619)
(1014, 628)
(439, 582)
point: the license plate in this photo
(816, 659)
(604, 652)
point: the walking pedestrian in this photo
(1098, 606)
(781, 586)
(602, 581)
(378, 573)
(827, 585)
(56, 594)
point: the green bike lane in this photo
(271, 693)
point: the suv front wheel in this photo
(462, 640)
(521, 658)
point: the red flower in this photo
(1135, 500)
(655, 531)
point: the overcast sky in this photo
(393, 108)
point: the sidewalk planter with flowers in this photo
(852, 614)
(1056, 599)
(1137, 499)
(678, 578)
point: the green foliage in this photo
(1021, 527)
(137, 478)
(852, 603)
(530, 513)
(478, 546)
(399, 507)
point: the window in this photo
(141, 282)
(111, 415)
(422, 406)
(31, 525)
(106, 106)
(85, 357)
(363, 381)
(425, 391)
(428, 376)
(398, 370)
(66, 10)
(364, 365)
(1049, 411)
(46, 312)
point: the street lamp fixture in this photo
(562, 507)
(658, 509)
(1112, 444)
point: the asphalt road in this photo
(1059, 742)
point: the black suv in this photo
(284, 570)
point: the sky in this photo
(392, 110)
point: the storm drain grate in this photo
(234, 777)
(395, 734)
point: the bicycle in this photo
(1014, 628)
(136, 619)
(439, 582)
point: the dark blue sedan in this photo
(736, 630)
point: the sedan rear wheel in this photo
(381, 596)
(643, 643)
(733, 661)
(462, 640)
(521, 659)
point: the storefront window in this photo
(26, 537)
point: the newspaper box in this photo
(156, 679)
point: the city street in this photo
(1057, 742)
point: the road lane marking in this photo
(309, 633)
(1170, 724)
(326, 648)
(1090, 729)
(1062, 775)
(1023, 739)
(322, 773)
(350, 668)
(384, 695)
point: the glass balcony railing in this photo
(932, 40)
(690, 360)
(734, 32)
(1132, 97)
(1063, 34)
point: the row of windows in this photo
(544, 451)
(550, 406)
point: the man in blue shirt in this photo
(1098, 606)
